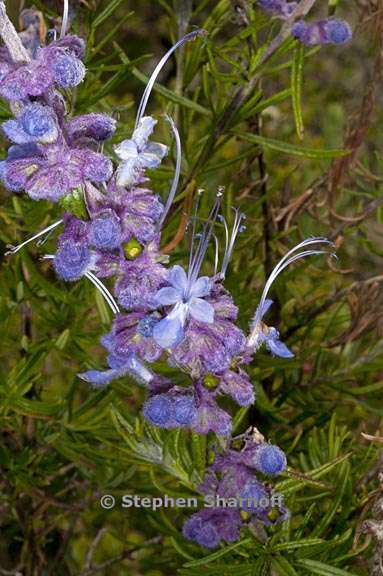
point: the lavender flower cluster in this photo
(324, 31)
(232, 476)
(174, 314)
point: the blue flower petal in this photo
(99, 378)
(178, 278)
(167, 296)
(201, 310)
(278, 348)
(170, 331)
(201, 287)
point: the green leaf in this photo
(295, 545)
(111, 7)
(283, 566)
(291, 149)
(322, 569)
(219, 553)
(296, 87)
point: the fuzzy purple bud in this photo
(105, 232)
(97, 127)
(268, 459)
(327, 31)
(71, 260)
(158, 410)
(68, 71)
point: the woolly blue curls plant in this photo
(176, 314)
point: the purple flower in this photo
(210, 417)
(96, 127)
(186, 294)
(52, 171)
(255, 496)
(138, 154)
(210, 526)
(128, 337)
(327, 31)
(57, 64)
(119, 367)
(158, 410)
(279, 8)
(268, 459)
(36, 123)
(208, 347)
(72, 260)
(138, 210)
(262, 334)
(175, 408)
(140, 280)
(238, 386)
(105, 231)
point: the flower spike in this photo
(158, 68)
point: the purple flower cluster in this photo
(171, 314)
(325, 31)
(236, 496)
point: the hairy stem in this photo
(10, 37)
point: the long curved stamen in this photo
(158, 68)
(216, 256)
(204, 239)
(64, 25)
(14, 249)
(288, 259)
(177, 173)
(104, 291)
(222, 219)
(239, 217)
(194, 226)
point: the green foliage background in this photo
(279, 155)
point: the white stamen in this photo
(193, 232)
(230, 244)
(204, 240)
(158, 68)
(104, 291)
(216, 257)
(14, 249)
(64, 24)
(177, 173)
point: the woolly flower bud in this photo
(208, 536)
(98, 127)
(68, 70)
(201, 530)
(254, 495)
(158, 410)
(38, 121)
(339, 31)
(105, 232)
(269, 459)
(328, 31)
(185, 410)
(71, 260)
(146, 325)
